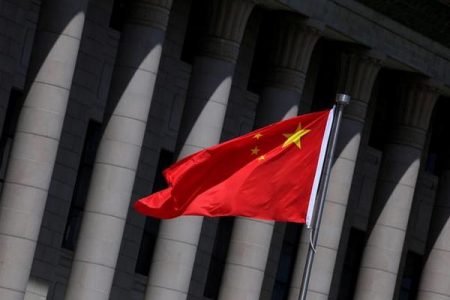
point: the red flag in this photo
(271, 173)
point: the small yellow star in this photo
(257, 136)
(294, 138)
(255, 150)
(262, 157)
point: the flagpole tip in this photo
(342, 99)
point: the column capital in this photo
(154, 13)
(416, 102)
(226, 26)
(295, 40)
(358, 70)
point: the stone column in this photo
(394, 192)
(118, 154)
(250, 240)
(435, 281)
(201, 126)
(359, 70)
(36, 140)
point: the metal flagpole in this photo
(341, 101)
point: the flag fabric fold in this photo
(271, 173)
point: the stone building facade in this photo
(97, 97)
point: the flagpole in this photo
(341, 101)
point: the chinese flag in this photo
(271, 173)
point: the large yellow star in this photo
(294, 138)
